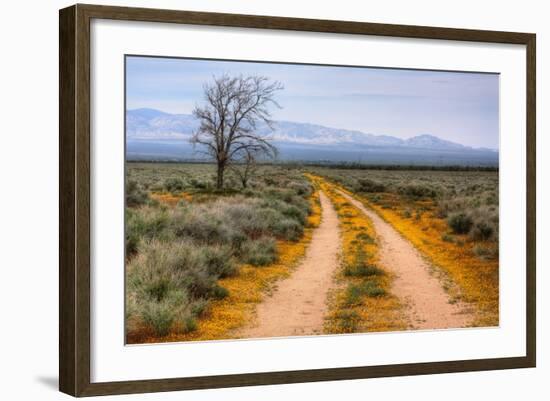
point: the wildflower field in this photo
(199, 260)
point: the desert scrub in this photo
(445, 193)
(168, 284)
(135, 194)
(471, 275)
(226, 316)
(260, 252)
(174, 184)
(222, 234)
(362, 301)
(460, 223)
(457, 229)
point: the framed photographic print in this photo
(250, 200)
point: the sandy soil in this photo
(428, 303)
(299, 303)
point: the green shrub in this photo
(203, 224)
(354, 295)
(371, 289)
(367, 185)
(199, 184)
(460, 223)
(365, 238)
(482, 252)
(348, 321)
(260, 252)
(356, 292)
(362, 270)
(219, 292)
(295, 213)
(288, 229)
(158, 316)
(219, 261)
(199, 283)
(135, 195)
(147, 223)
(189, 325)
(131, 243)
(482, 231)
(417, 191)
(174, 185)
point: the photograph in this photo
(271, 199)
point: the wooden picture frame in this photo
(74, 199)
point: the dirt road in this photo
(428, 303)
(299, 303)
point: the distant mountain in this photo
(156, 125)
(153, 134)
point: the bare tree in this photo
(229, 118)
(245, 166)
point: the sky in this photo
(455, 106)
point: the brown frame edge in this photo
(74, 199)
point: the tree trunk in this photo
(219, 181)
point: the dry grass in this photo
(362, 301)
(246, 289)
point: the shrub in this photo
(199, 283)
(302, 188)
(135, 195)
(158, 316)
(460, 223)
(371, 289)
(189, 324)
(295, 213)
(417, 191)
(354, 293)
(362, 269)
(364, 237)
(219, 261)
(348, 321)
(203, 224)
(219, 292)
(162, 268)
(131, 243)
(367, 185)
(288, 229)
(247, 216)
(169, 284)
(482, 231)
(174, 185)
(485, 252)
(145, 223)
(260, 252)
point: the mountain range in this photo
(156, 135)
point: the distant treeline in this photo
(344, 165)
(361, 166)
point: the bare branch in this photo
(233, 107)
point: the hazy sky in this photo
(460, 107)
